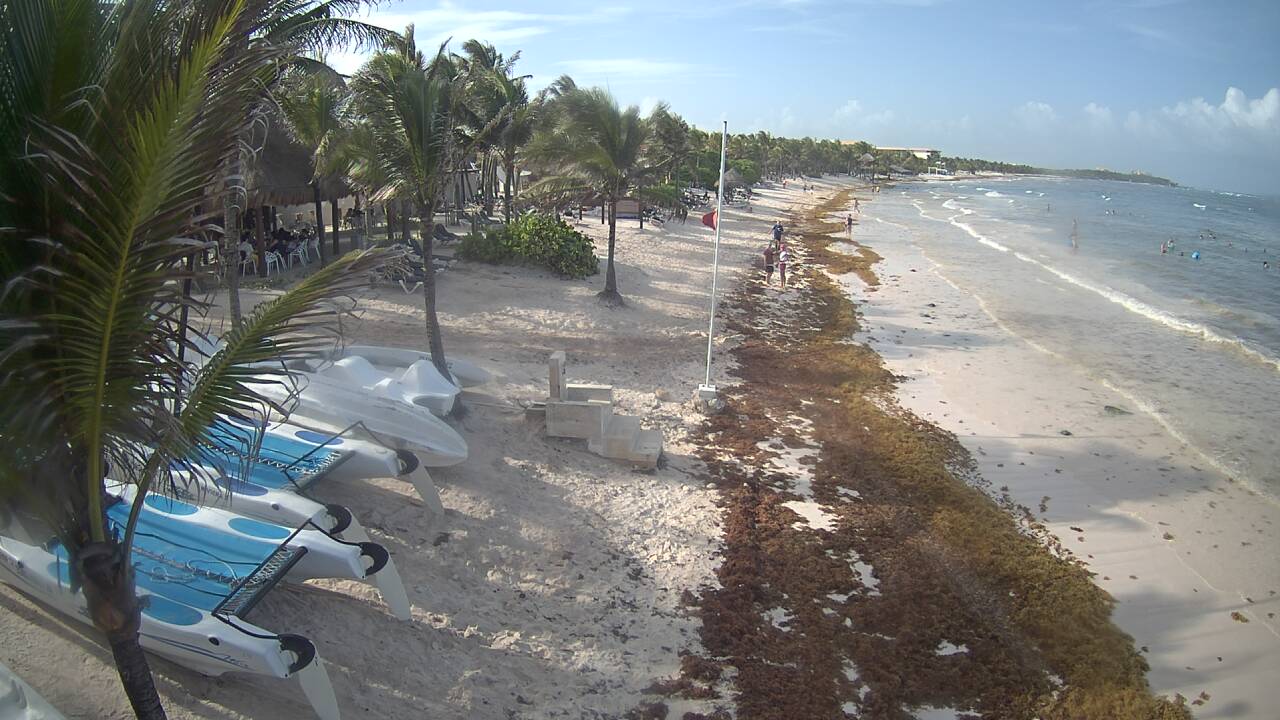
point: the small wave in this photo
(1040, 194)
(1131, 303)
(1197, 205)
(980, 189)
(951, 205)
(993, 193)
(1029, 192)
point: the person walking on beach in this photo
(769, 255)
(855, 206)
(777, 232)
(848, 223)
(784, 256)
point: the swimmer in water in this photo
(1266, 265)
(1075, 235)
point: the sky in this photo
(1184, 89)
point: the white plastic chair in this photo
(299, 252)
(250, 258)
(314, 245)
(274, 259)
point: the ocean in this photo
(1074, 267)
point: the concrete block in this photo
(618, 438)
(555, 368)
(647, 449)
(583, 420)
(582, 392)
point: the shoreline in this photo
(1182, 547)
(863, 575)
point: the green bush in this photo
(537, 239)
(487, 246)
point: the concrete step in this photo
(647, 448)
(618, 437)
(624, 439)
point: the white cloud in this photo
(1035, 114)
(1099, 116)
(883, 117)
(447, 19)
(1236, 111)
(851, 108)
(852, 114)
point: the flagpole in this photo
(715, 257)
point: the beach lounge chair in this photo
(199, 573)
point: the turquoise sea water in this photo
(1196, 342)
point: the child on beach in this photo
(769, 254)
(784, 256)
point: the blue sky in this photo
(1185, 89)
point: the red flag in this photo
(710, 219)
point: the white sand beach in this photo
(1188, 553)
(552, 586)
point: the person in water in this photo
(848, 223)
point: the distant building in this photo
(926, 154)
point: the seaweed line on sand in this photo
(865, 571)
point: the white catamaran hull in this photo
(327, 406)
(465, 373)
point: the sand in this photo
(1189, 554)
(553, 584)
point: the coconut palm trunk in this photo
(610, 295)
(435, 339)
(230, 248)
(319, 204)
(337, 224)
(113, 606)
(510, 169)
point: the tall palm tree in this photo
(312, 106)
(411, 106)
(590, 145)
(671, 141)
(115, 120)
(500, 101)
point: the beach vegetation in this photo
(536, 239)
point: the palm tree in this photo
(505, 108)
(590, 145)
(410, 106)
(671, 136)
(312, 106)
(95, 198)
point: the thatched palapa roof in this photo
(281, 173)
